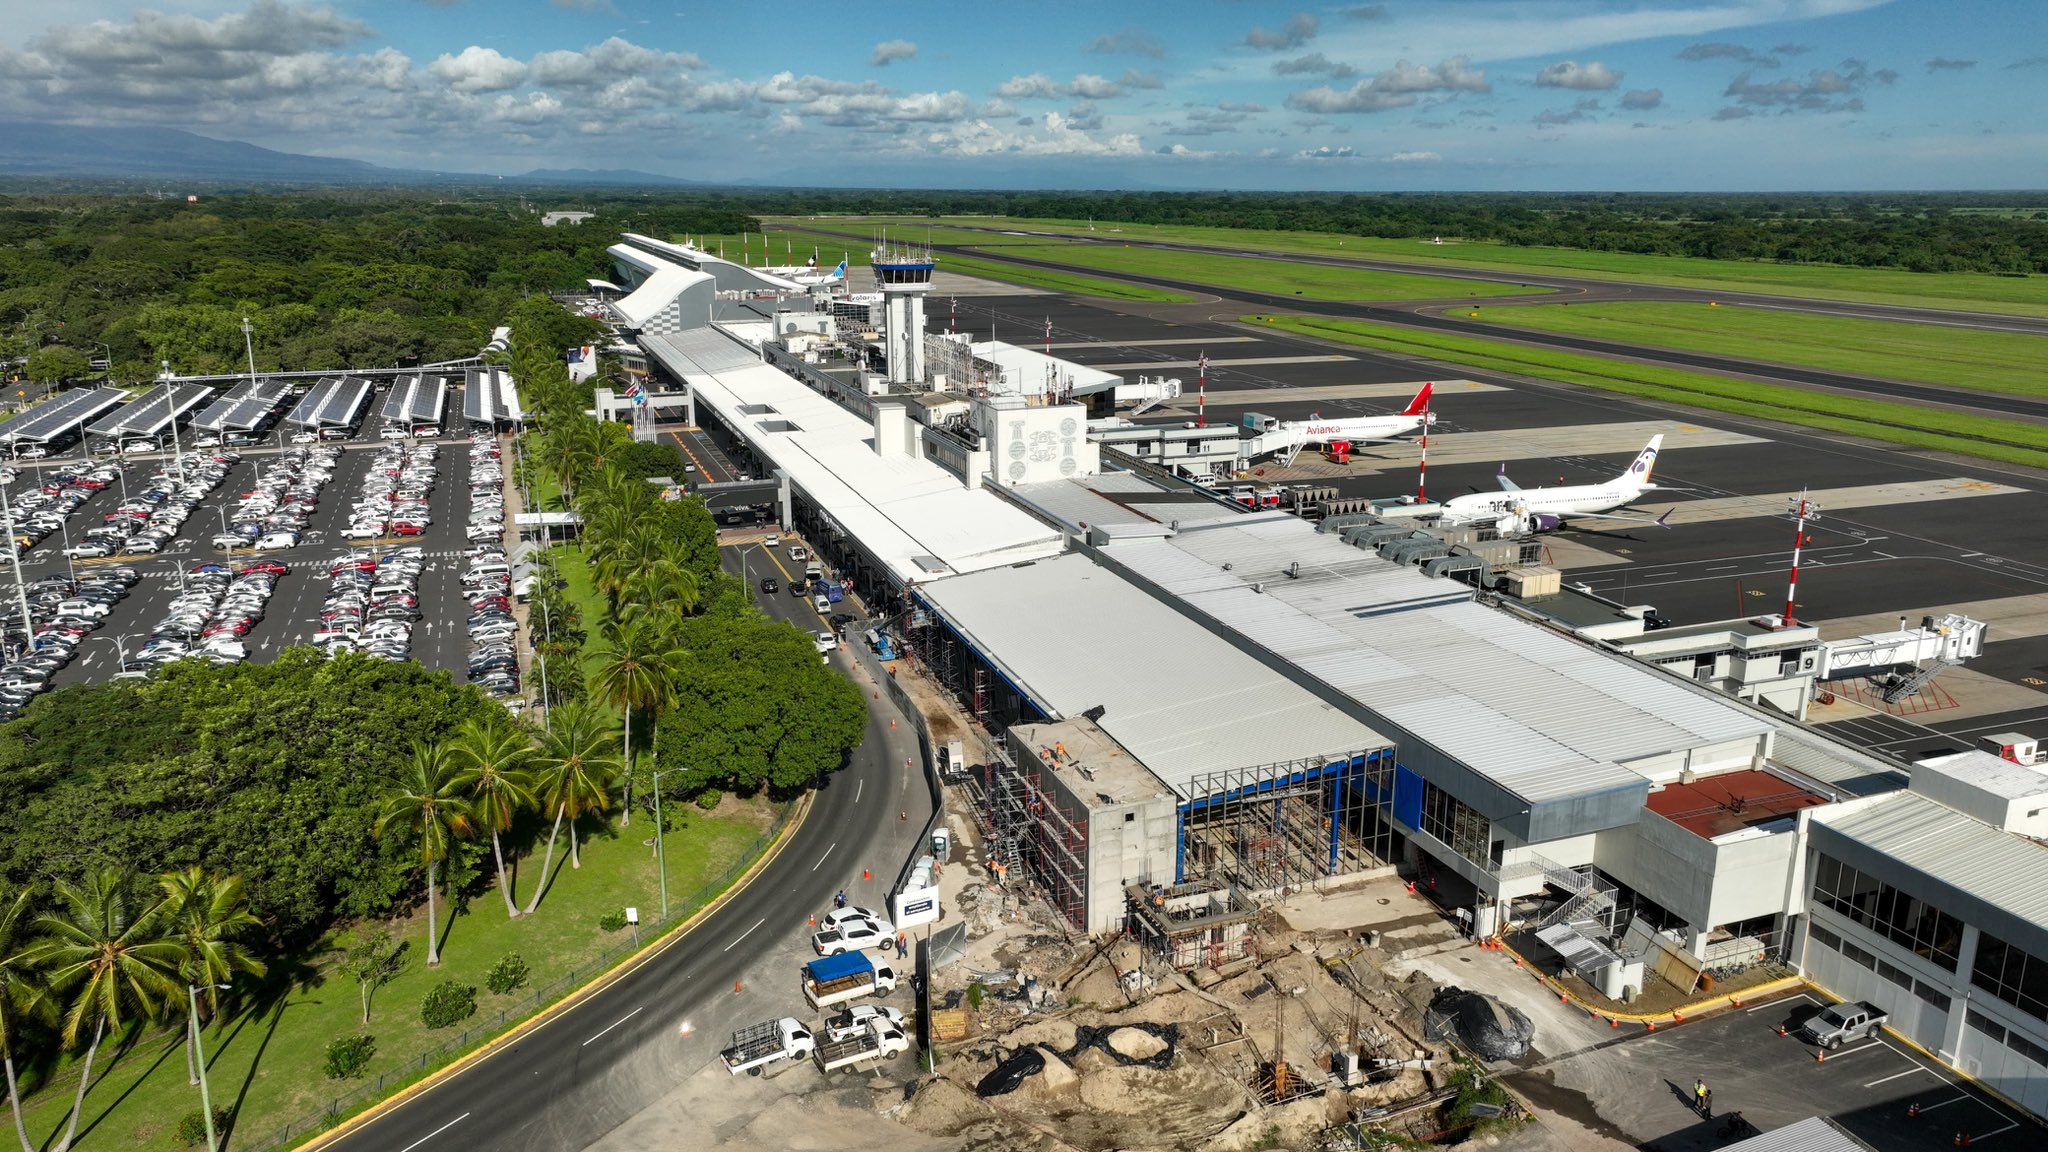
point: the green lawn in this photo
(1261, 274)
(268, 1061)
(2003, 440)
(831, 248)
(2026, 296)
(574, 569)
(1996, 361)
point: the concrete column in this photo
(1959, 1003)
(1485, 918)
(1696, 941)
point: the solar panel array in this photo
(416, 400)
(243, 406)
(486, 396)
(335, 400)
(58, 416)
(151, 413)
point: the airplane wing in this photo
(1659, 521)
(1507, 485)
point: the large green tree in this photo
(427, 805)
(23, 995)
(107, 951)
(491, 755)
(209, 915)
(635, 671)
(574, 773)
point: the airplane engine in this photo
(1542, 523)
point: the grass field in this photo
(1257, 274)
(830, 249)
(2002, 440)
(1994, 361)
(2025, 296)
(267, 1062)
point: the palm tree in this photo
(20, 995)
(112, 961)
(637, 669)
(491, 755)
(205, 913)
(576, 774)
(426, 801)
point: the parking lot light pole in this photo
(660, 843)
(120, 644)
(199, 1054)
(70, 565)
(28, 624)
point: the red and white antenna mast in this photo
(1202, 391)
(1802, 511)
(1422, 465)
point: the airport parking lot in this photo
(292, 614)
(1638, 1089)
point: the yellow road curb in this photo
(545, 1016)
(1673, 1016)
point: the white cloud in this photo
(889, 50)
(478, 70)
(1328, 153)
(1415, 157)
(1054, 137)
(1591, 76)
(1642, 99)
(1314, 64)
(1837, 89)
(1128, 42)
(1397, 87)
(1037, 86)
(1299, 29)
(1132, 78)
(1092, 87)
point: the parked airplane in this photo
(1517, 510)
(1291, 436)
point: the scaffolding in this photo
(1040, 832)
(1282, 826)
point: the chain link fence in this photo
(479, 1031)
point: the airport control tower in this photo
(903, 275)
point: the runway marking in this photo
(748, 932)
(1896, 1076)
(858, 787)
(821, 859)
(434, 1133)
(614, 1024)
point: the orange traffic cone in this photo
(1820, 1055)
(1678, 1017)
(1781, 1029)
(1913, 1110)
(1613, 1023)
(1652, 1024)
(864, 875)
(735, 987)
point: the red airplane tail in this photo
(1420, 403)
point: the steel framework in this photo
(1283, 825)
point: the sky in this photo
(1405, 95)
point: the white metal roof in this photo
(1851, 770)
(1026, 371)
(699, 259)
(1545, 718)
(912, 515)
(1813, 1134)
(665, 281)
(2006, 871)
(1184, 701)
(1993, 774)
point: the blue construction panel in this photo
(1407, 798)
(833, 967)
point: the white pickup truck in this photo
(879, 1039)
(1839, 1024)
(760, 1046)
(845, 978)
(854, 933)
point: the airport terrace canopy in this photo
(59, 417)
(1022, 371)
(243, 406)
(1545, 736)
(1235, 714)
(150, 414)
(666, 296)
(336, 400)
(416, 399)
(730, 277)
(488, 396)
(912, 516)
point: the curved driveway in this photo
(597, 1064)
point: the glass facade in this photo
(1907, 921)
(1452, 821)
(2012, 974)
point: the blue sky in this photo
(1401, 95)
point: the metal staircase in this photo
(1570, 928)
(1920, 678)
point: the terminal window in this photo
(1907, 921)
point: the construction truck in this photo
(761, 1046)
(846, 977)
(880, 1039)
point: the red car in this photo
(269, 567)
(407, 528)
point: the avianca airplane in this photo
(838, 273)
(1354, 429)
(1517, 509)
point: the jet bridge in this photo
(1903, 662)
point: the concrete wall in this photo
(1031, 445)
(1127, 844)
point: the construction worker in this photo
(1699, 1096)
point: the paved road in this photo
(603, 1061)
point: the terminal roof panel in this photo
(2008, 872)
(480, 396)
(1212, 708)
(243, 406)
(54, 418)
(1545, 718)
(151, 413)
(912, 515)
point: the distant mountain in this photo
(34, 149)
(612, 177)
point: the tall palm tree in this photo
(636, 669)
(21, 995)
(110, 957)
(205, 913)
(492, 755)
(576, 773)
(426, 801)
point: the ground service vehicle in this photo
(760, 1046)
(880, 1039)
(841, 979)
(1839, 1024)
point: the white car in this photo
(32, 452)
(826, 642)
(838, 916)
(797, 553)
(391, 432)
(362, 532)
